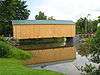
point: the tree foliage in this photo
(41, 16)
(80, 25)
(91, 47)
(51, 18)
(89, 69)
(85, 26)
(99, 19)
(11, 10)
(95, 48)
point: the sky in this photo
(65, 9)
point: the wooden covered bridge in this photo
(27, 33)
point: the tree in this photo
(91, 49)
(94, 25)
(99, 19)
(80, 25)
(93, 54)
(41, 16)
(85, 26)
(51, 18)
(95, 48)
(11, 10)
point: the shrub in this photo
(89, 69)
(4, 50)
(8, 51)
(95, 49)
(19, 54)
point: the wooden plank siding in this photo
(51, 55)
(43, 31)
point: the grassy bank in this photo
(10, 66)
(11, 61)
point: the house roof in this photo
(21, 22)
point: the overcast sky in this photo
(65, 9)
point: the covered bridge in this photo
(29, 29)
(31, 32)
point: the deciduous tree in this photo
(41, 16)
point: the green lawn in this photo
(10, 66)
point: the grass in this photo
(11, 61)
(10, 66)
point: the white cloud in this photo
(67, 9)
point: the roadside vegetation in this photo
(90, 45)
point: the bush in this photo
(4, 50)
(19, 54)
(8, 51)
(95, 49)
(89, 69)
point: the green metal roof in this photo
(14, 22)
